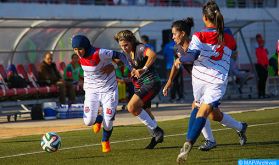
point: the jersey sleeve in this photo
(193, 51)
(106, 54)
(110, 54)
(141, 50)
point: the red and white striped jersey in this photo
(212, 60)
(94, 79)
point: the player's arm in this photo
(193, 51)
(106, 54)
(122, 57)
(151, 57)
(174, 71)
(116, 57)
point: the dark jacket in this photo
(48, 74)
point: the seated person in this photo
(13, 79)
(73, 71)
(241, 76)
(49, 75)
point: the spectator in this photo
(125, 85)
(145, 41)
(73, 71)
(178, 86)
(261, 65)
(168, 52)
(121, 85)
(273, 65)
(13, 79)
(241, 76)
(49, 75)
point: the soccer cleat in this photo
(106, 147)
(97, 127)
(242, 134)
(152, 144)
(158, 137)
(184, 151)
(159, 134)
(208, 145)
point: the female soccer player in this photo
(210, 52)
(99, 85)
(146, 81)
(181, 31)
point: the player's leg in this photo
(209, 142)
(204, 94)
(195, 108)
(198, 91)
(223, 118)
(153, 142)
(91, 105)
(227, 121)
(109, 101)
(195, 131)
(98, 123)
(135, 106)
(147, 108)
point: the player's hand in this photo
(177, 63)
(166, 88)
(107, 69)
(135, 73)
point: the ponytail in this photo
(212, 12)
(219, 22)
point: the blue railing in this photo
(177, 3)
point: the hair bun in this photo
(189, 21)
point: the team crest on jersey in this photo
(86, 109)
(136, 63)
(109, 111)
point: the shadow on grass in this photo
(249, 144)
(130, 126)
(156, 148)
(21, 141)
(86, 157)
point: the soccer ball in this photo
(50, 142)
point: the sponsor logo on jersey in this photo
(109, 111)
(86, 109)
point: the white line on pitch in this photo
(123, 141)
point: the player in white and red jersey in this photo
(181, 30)
(99, 86)
(210, 52)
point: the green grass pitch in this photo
(83, 147)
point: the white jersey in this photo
(213, 61)
(211, 64)
(94, 79)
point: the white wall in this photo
(163, 15)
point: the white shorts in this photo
(92, 102)
(208, 93)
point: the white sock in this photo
(146, 120)
(154, 120)
(206, 131)
(230, 122)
